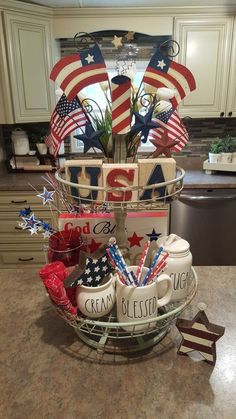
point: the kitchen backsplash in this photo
(202, 132)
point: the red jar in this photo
(65, 246)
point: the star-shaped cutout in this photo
(90, 138)
(89, 59)
(117, 41)
(163, 145)
(129, 36)
(199, 335)
(153, 236)
(30, 222)
(135, 240)
(93, 246)
(46, 196)
(144, 123)
(161, 64)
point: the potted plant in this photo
(214, 152)
(38, 137)
(227, 147)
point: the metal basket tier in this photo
(108, 335)
(172, 187)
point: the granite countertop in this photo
(46, 372)
(192, 179)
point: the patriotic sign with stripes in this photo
(170, 121)
(163, 72)
(121, 103)
(74, 72)
(66, 117)
(199, 335)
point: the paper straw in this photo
(115, 267)
(152, 266)
(134, 278)
(120, 265)
(122, 262)
(142, 261)
(156, 272)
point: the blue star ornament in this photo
(30, 223)
(46, 196)
(90, 138)
(24, 212)
(144, 123)
(153, 236)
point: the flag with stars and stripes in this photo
(76, 71)
(66, 117)
(95, 271)
(163, 72)
(170, 121)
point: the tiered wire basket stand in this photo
(107, 334)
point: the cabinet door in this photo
(6, 114)
(205, 47)
(231, 104)
(29, 45)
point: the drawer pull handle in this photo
(18, 228)
(25, 259)
(19, 202)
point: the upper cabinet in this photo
(207, 48)
(28, 47)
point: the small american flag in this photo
(76, 71)
(66, 117)
(163, 72)
(170, 121)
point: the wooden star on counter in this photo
(117, 41)
(199, 335)
(129, 36)
(163, 145)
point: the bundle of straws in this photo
(129, 277)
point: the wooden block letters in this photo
(118, 175)
(153, 171)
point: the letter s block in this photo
(120, 175)
(85, 172)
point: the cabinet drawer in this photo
(10, 232)
(13, 201)
(24, 255)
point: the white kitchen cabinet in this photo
(6, 110)
(29, 52)
(206, 49)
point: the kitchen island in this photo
(46, 372)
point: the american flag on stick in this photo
(163, 72)
(66, 117)
(170, 121)
(76, 71)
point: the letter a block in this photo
(117, 176)
(153, 171)
(85, 172)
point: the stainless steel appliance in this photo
(206, 218)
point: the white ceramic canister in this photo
(95, 302)
(20, 142)
(179, 263)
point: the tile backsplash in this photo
(202, 132)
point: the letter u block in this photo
(117, 176)
(153, 171)
(87, 173)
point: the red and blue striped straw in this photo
(142, 261)
(149, 273)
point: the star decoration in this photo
(25, 212)
(47, 234)
(199, 335)
(90, 138)
(33, 230)
(95, 270)
(89, 59)
(135, 240)
(46, 196)
(163, 145)
(117, 41)
(30, 222)
(93, 246)
(161, 64)
(144, 123)
(129, 36)
(153, 236)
